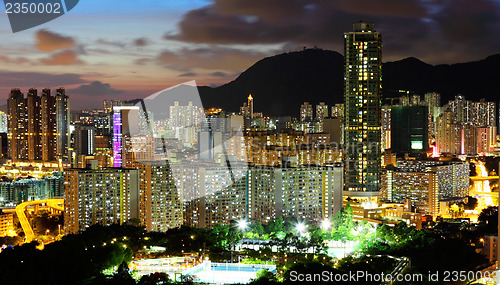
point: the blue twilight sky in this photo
(128, 49)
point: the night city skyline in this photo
(212, 42)
(249, 142)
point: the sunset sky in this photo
(111, 49)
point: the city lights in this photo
(242, 225)
(326, 225)
(300, 227)
(308, 161)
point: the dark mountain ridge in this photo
(281, 83)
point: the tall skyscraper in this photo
(121, 129)
(250, 105)
(362, 91)
(83, 141)
(16, 115)
(62, 121)
(38, 126)
(160, 206)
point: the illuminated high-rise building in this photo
(3, 122)
(160, 207)
(62, 120)
(17, 121)
(362, 113)
(321, 111)
(122, 115)
(306, 112)
(99, 196)
(38, 126)
(84, 142)
(250, 106)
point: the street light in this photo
(300, 227)
(242, 225)
(325, 225)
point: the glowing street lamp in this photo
(326, 225)
(242, 225)
(300, 228)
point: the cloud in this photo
(426, 29)
(17, 60)
(67, 57)
(218, 74)
(110, 43)
(27, 79)
(50, 41)
(187, 74)
(214, 57)
(140, 42)
(96, 88)
(391, 8)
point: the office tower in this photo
(250, 106)
(306, 112)
(124, 118)
(62, 121)
(321, 111)
(362, 114)
(99, 196)
(409, 129)
(84, 142)
(160, 207)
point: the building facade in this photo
(160, 206)
(99, 196)
(362, 114)
(38, 126)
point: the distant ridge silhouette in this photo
(281, 83)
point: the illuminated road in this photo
(479, 178)
(56, 204)
(481, 189)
